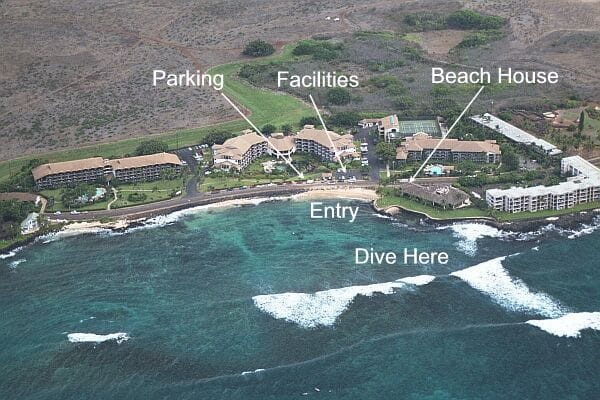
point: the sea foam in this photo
(491, 278)
(569, 325)
(168, 219)
(310, 310)
(119, 337)
(469, 233)
(10, 253)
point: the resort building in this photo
(582, 186)
(515, 134)
(419, 146)
(69, 173)
(97, 169)
(240, 151)
(143, 168)
(324, 144)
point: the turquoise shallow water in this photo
(183, 293)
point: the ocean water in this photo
(260, 302)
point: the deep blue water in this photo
(183, 294)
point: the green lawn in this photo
(266, 106)
(389, 200)
(210, 183)
(154, 191)
(59, 206)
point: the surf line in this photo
(412, 179)
(288, 161)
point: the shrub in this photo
(151, 147)
(136, 197)
(258, 48)
(320, 50)
(345, 119)
(338, 96)
(216, 137)
(468, 19)
(268, 129)
(309, 121)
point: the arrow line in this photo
(279, 154)
(412, 179)
(335, 151)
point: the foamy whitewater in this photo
(469, 233)
(569, 325)
(310, 310)
(119, 337)
(491, 278)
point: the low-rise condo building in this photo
(515, 134)
(97, 169)
(238, 152)
(328, 145)
(143, 168)
(419, 146)
(582, 186)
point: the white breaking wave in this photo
(310, 310)
(10, 253)
(119, 337)
(164, 220)
(491, 278)
(469, 233)
(16, 263)
(569, 325)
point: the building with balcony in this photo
(419, 146)
(582, 186)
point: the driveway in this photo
(376, 165)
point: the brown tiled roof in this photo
(319, 136)
(391, 121)
(237, 146)
(282, 143)
(419, 142)
(67, 166)
(145, 161)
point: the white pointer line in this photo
(446, 135)
(335, 151)
(288, 161)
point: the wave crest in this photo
(119, 337)
(310, 310)
(568, 325)
(491, 278)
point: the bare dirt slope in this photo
(79, 72)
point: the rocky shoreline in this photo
(566, 221)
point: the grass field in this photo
(154, 191)
(388, 200)
(265, 105)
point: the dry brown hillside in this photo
(79, 72)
